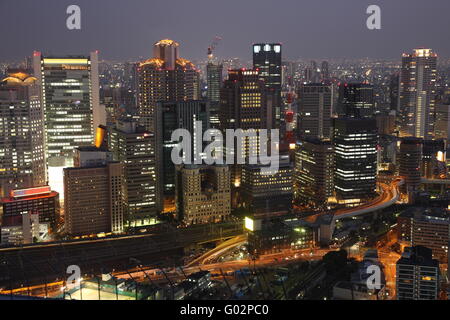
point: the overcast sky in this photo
(126, 29)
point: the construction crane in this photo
(212, 46)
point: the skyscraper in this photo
(70, 99)
(134, 147)
(417, 92)
(172, 116)
(313, 174)
(165, 77)
(22, 154)
(356, 100)
(315, 108)
(214, 83)
(355, 159)
(409, 162)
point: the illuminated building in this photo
(165, 77)
(94, 195)
(432, 166)
(38, 200)
(417, 275)
(442, 126)
(417, 92)
(315, 106)
(20, 229)
(355, 158)
(265, 193)
(313, 172)
(134, 147)
(22, 154)
(214, 83)
(267, 61)
(70, 99)
(172, 116)
(244, 106)
(268, 235)
(203, 193)
(428, 227)
(409, 163)
(356, 100)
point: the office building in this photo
(165, 77)
(38, 200)
(315, 106)
(20, 229)
(267, 60)
(442, 125)
(410, 159)
(203, 193)
(94, 195)
(214, 83)
(355, 159)
(70, 99)
(428, 227)
(134, 147)
(22, 154)
(417, 275)
(267, 193)
(313, 172)
(417, 92)
(356, 100)
(178, 115)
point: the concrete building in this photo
(315, 107)
(417, 275)
(20, 229)
(203, 193)
(95, 194)
(165, 77)
(442, 125)
(22, 154)
(313, 172)
(417, 90)
(134, 147)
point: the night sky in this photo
(126, 29)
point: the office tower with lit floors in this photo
(134, 147)
(244, 106)
(313, 172)
(417, 275)
(355, 160)
(165, 77)
(214, 83)
(94, 193)
(315, 106)
(203, 193)
(170, 117)
(22, 153)
(356, 100)
(417, 92)
(70, 99)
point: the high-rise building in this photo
(417, 275)
(442, 125)
(267, 193)
(314, 111)
(20, 229)
(172, 116)
(165, 77)
(355, 159)
(70, 99)
(409, 162)
(267, 60)
(313, 172)
(22, 154)
(356, 100)
(203, 193)
(38, 200)
(94, 194)
(134, 147)
(214, 83)
(428, 227)
(417, 92)
(244, 106)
